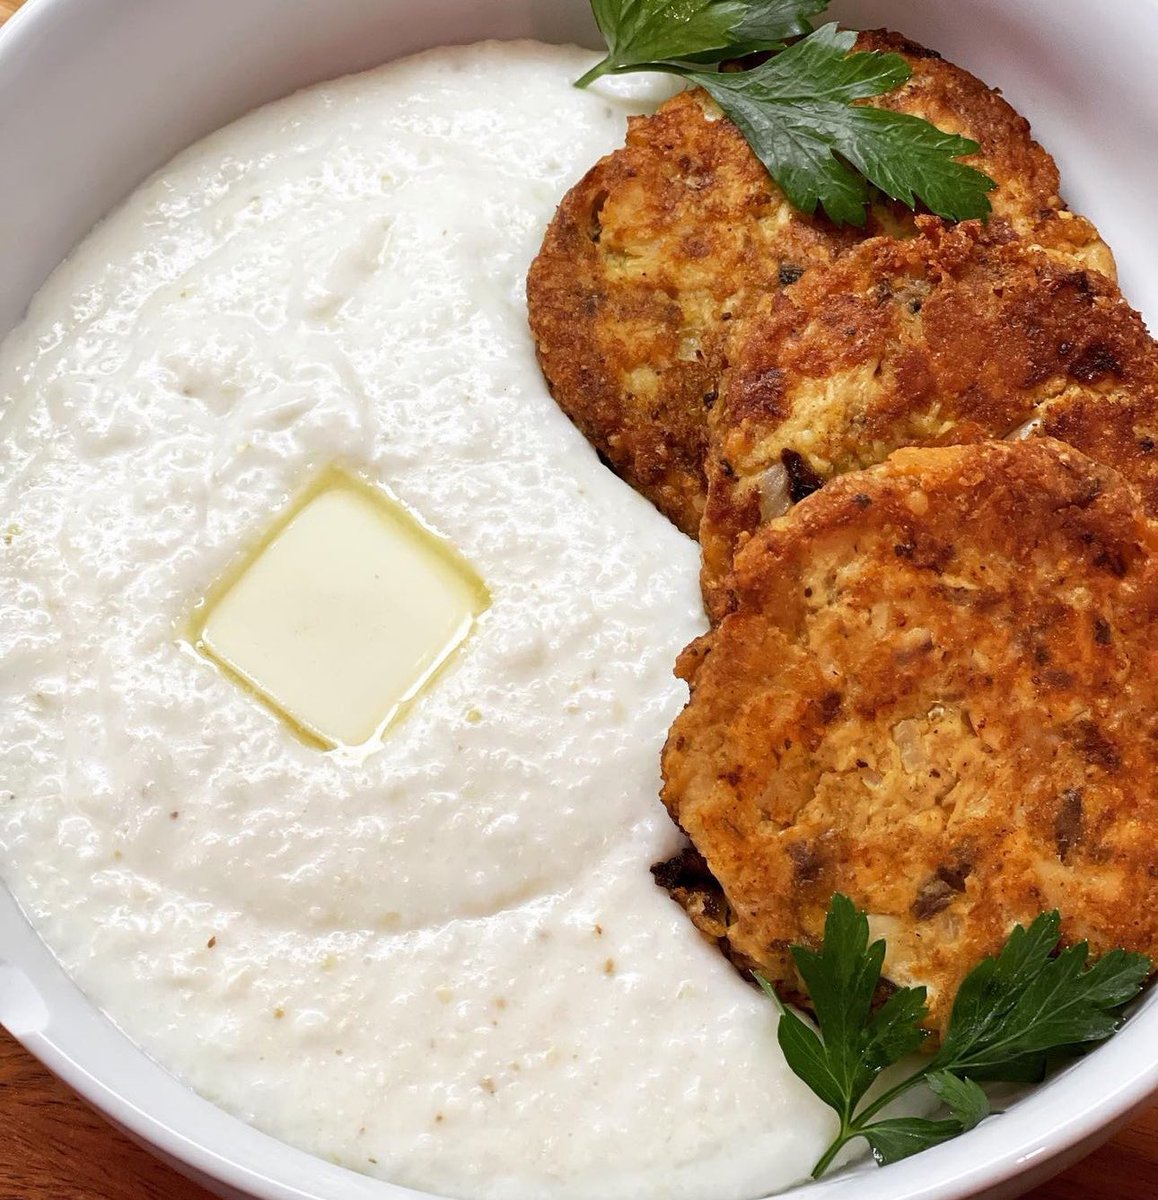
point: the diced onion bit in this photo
(773, 488)
(1024, 432)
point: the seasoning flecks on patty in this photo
(938, 695)
(666, 242)
(960, 334)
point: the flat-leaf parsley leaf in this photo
(778, 20)
(643, 33)
(1012, 1014)
(799, 115)
(857, 1043)
(1013, 1011)
(898, 1137)
(802, 110)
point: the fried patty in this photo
(668, 240)
(960, 334)
(938, 695)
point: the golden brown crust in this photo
(960, 334)
(665, 242)
(938, 694)
(1115, 423)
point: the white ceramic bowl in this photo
(94, 94)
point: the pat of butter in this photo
(344, 615)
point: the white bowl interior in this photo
(108, 90)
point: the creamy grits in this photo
(445, 964)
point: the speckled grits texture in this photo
(446, 964)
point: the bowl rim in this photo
(1044, 1124)
(1086, 1100)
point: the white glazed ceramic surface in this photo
(94, 94)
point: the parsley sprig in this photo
(800, 110)
(1013, 1015)
(640, 33)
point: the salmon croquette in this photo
(960, 334)
(938, 695)
(668, 241)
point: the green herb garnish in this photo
(1013, 1015)
(799, 110)
(640, 33)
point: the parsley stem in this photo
(659, 68)
(890, 1095)
(838, 1144)
(854, 1128)
(847, 1133)
(597, 72)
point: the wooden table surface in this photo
(52, 1147)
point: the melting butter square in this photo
(345, 614)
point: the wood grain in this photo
(53, 1147)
